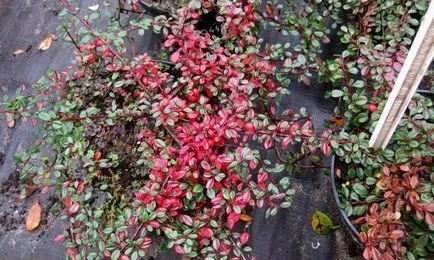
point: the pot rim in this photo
(349, 226)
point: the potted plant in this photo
(390, 204)
(385, 195)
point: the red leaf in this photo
(74, 208)
(396, 234)
(252, 165)
(286, 141)
(59, 238)
(216, 244)
(232, 219)
(428, 207)
(244, 238)
(306, 129)
(186, 219)
(268, 143)
(205, 165)
(174, 57)
(260, 203)
(376, 254)
(45, 189)
(404, 168)
(429, 219)
(262, 177)
(154, 224)
(397, 66)
(326, 148)
(367, 253)
(234, 81)
(209, 184)
(414, 181)
(70, 252)
(389, 75)
(97, 156)
(170, 41)
(206, 232)
(179, 249)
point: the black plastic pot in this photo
(349, 228)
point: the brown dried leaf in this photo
(34, 216)
(54, 37)
(46, 43)
(18, 52)
(245, 218)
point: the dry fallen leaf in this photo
(321, 223)
(245, 218)
(54, 37)
(94, 7)
(46, 43)
(18, 52)
(34, 216)
(21, 51)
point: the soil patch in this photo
(11, 212)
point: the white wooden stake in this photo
(417, 62)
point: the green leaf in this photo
(321, 223)
(160, 143)
(360, 189)
(198, 188)
(353, 70)
(333, 66)
(358, 84)
(370, 181)
(194, 4)
(115, 255)
(45, 116)
(359, 210)
(362, 118)
(337, 93)
(348, 211)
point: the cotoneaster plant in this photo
(162, 147)
(386, 193)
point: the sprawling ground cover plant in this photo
(161, 146)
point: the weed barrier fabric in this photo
(288, 235)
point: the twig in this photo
(279, 156)
(300, 158)
(72, 39)
(241, 251)
(135, 236)
(172, 134)
(365, 202)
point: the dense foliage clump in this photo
(169, 146)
